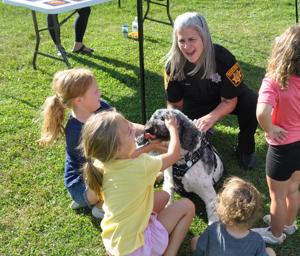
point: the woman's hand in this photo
(277, 134)
(205, 123)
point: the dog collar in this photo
(189, 160)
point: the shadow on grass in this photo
(87, 211)
(123, 78)
(29, 104)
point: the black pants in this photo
(80, 24)
(246, 114)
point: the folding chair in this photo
(164, 3)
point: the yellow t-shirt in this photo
(128, 202)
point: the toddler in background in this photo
(239, 205)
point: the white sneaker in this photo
(289, 230)
(75, 205)
(98, 213)
(268, 237)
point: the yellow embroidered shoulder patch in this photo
(166, 80)
(235, 75)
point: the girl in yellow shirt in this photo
(137, 221)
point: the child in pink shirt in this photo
(278, 113)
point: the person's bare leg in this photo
(278, 209)
(161, 199)
(194, 243)
(176, 218)
(293, 198)
(270, 251)
(93, 198)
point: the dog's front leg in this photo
(196, 180)
(168, 184)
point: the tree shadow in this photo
(26, 102)
(94, 61)
(253, 75)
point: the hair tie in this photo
(61, 100)
(89, 160)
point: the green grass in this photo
(35, 217)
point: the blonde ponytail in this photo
(94, 178)
(67, 85)
(100, 140)
(53, 117)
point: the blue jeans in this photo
(78, 193)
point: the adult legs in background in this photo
(246, 114)
(80, 28)
(50, 23)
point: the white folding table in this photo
(52, 7)
(59, 6)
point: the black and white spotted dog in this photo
(199, 166)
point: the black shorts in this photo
(283, 160)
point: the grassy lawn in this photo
(34, 205)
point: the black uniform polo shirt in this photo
(201, 96)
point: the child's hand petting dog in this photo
(158, 146)
(171, 122)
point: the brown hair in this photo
(67, 85)
(239, 203)
(285, 57)
(100, 141)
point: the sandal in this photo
(84, 50)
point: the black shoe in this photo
(246, 161)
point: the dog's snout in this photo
(150, 130)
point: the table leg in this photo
(37, 39)
(57, 40)
(296, 9)
(141, 55)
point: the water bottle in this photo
(125, 30)
(135, 27)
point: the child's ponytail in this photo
(67, 85)
(94, 177)
(53, 117)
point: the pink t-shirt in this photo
(286, 107)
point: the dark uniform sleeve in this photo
(173, 89)
(230, 71)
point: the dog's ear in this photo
(188, 133)
(188, 138)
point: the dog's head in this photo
(155, 128)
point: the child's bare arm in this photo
(270, 251)
(173, 152)
(152, 146)
(264, 117)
